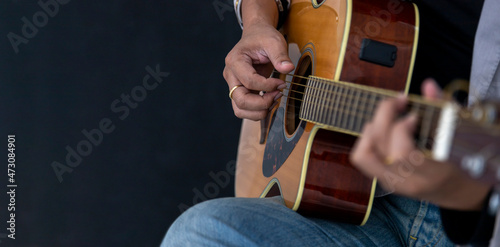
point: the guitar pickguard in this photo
(278, 146)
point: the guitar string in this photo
(342, 109)
(354, 117)
(381, 93)
(425, 136)
(327, 99)
(416, 103)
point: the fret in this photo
(426, 126)
(306, 109)
(328, 100)
(340, 108)
(415, 109)
(354, 110)
(379, 98)
(347, 109)
(317, 100)
(303, 106)
(361, 113)
(371, 106)
(366, 105)
(434, 124)
(312, 102)
(312, 99)
(322, 100)
(332, 108)
(337, 101)
(304, 101)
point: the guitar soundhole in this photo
(296, 93)
(274, 191)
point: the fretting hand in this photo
(386, 150)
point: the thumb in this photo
(285, 66)
(278, 55)
(431, 90)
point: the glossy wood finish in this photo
(390, 22)
(334, 188)
(321, 182)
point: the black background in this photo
(128, 190)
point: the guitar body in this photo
(306, 163)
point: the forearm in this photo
(259, 12)
(462, 193)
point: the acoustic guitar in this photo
(348, 55)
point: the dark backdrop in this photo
(130, 156)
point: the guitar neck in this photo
(469, 138)
(346, 107)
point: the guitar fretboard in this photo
(347, 107)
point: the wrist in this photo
(258, 12)
(470, 196)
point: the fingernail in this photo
(284, 63)
(278, 96)
(282, 86)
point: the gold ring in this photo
(388, 160)
(232, 90)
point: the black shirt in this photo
(446, 39)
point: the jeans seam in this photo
(417, 223)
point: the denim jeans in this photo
(394, 221)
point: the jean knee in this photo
(218, 220)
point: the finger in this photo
(387, 111)
(431, 90)
(264, 69)
(244, 72)
(246, 114)
(245, 99)
(365, 155)
(401, 140)
(278, 55)
(273, 50)
(384, 118)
